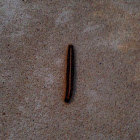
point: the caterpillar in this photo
(69, 73)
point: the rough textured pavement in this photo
(34, 35)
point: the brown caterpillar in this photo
(69, 73)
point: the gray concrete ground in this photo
(34, 35)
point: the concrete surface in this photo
(34, 38)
